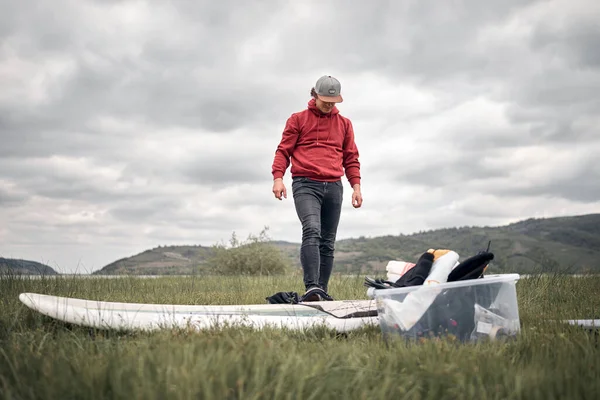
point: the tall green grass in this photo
(44, 359)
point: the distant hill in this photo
(162, 260)
(532, 245)
(25, 267)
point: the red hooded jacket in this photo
(320, 146)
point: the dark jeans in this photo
(318, 205)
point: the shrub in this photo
(254, 256)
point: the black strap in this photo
(283, 298)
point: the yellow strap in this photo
(438, 253)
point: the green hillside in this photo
(570, 244)
(162, 260)
(24, 267)
(567, 244)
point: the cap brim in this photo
(331, 99)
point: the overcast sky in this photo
(125, 125)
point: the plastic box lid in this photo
(486, 280)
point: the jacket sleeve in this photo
(351, 163)
(285, 148)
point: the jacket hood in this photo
(312, 106)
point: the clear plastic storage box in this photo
(469, 310)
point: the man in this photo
(320, 143)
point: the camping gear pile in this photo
(438, 296)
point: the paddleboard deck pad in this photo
(344, 315)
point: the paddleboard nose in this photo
(26, 299)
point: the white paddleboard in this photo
(342, 316)
(585, 323)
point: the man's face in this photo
(324, 106)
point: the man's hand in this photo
(357, 197)
(279, 189)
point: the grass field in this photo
(44, 359)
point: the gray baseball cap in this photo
(329, 89)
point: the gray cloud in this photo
(10, 198)
(154, 210)
(575, 178)
(577, 40)
(388, 39)
(184, 79)
(450, 173)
